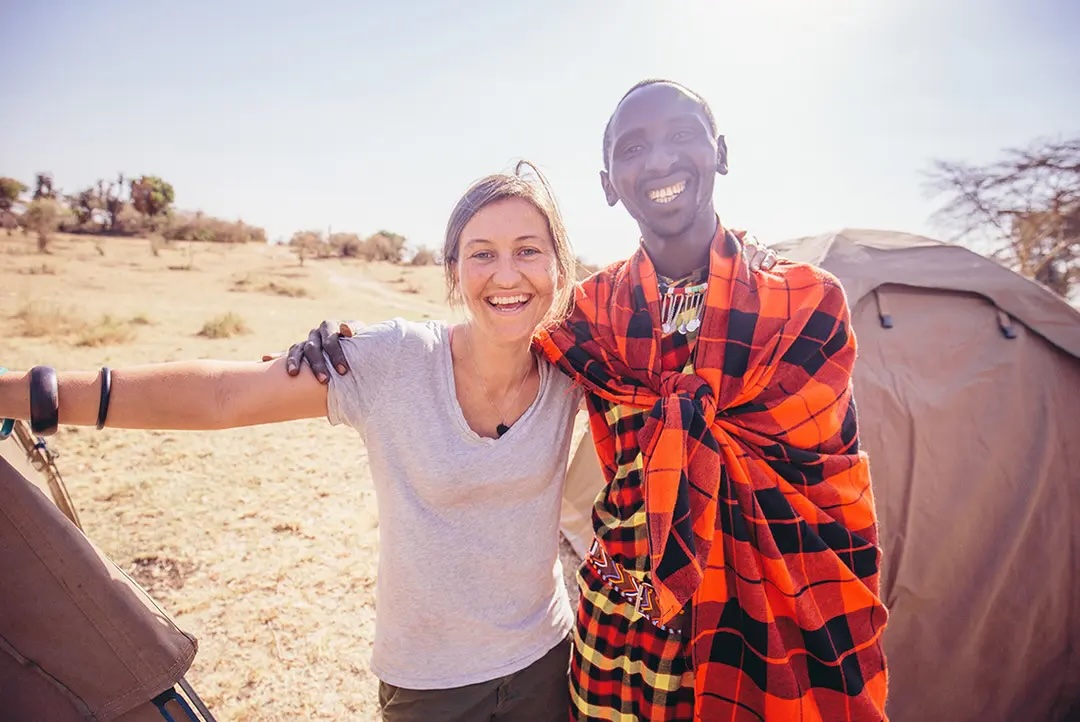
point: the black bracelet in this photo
(44, 401)
(106, 392)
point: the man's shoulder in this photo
(796, 273)
(793, 285)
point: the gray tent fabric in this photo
(968, 392)
(79, 640)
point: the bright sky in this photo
(363, 116)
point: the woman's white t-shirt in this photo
(469, 587)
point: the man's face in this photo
(664, 159)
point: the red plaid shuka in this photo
(757, 497)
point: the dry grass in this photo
(262, 541)
(46, 320)
(272, 286)
(43, 269)
(49, 320)
(108, 331)
(225, 326)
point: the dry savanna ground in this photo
(263, 541)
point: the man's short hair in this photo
(657, 81)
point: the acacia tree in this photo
(10, 192)
(84, 205)
(151, 196)
(385, 246)
(44, 186)
(1022, 210)
(111, 200)
(309, 244)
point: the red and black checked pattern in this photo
(624, 538)
(758, 499)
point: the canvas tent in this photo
(79, 639)
(968, 391)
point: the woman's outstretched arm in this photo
(193, 395)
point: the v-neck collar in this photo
(454, 409)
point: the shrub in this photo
(310, 244)
(346, 245)
(424, 257)
(384, 246)
(43, 217)
(225, 326)
(129, 221)
(207, 229)
(106, 332)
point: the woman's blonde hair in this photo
(536, 191)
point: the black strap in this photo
(106, 392)
(1005, 323)
(883, 313)
(44, 401)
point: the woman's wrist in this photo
(14, 395)
(7, 425)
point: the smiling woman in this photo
(466, 429)
(508, 271)
(509, 261)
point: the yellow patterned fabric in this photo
(624, 668)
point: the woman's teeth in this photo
(668, 194)
(508, 303)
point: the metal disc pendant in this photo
(694, 325)
(501, 429)
(682, 328)
(666, 327)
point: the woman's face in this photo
(507, 270)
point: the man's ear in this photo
(721, 155)
(609, 190)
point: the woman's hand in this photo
(759, 256)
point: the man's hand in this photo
(760, 258)
(323, 338)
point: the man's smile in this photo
(668, 193)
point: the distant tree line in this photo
(143, 206)
(380, 246)
(1022, 210)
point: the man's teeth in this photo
(668, 194)
(508, 300)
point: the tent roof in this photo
(864, 259)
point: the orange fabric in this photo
(759, 503)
